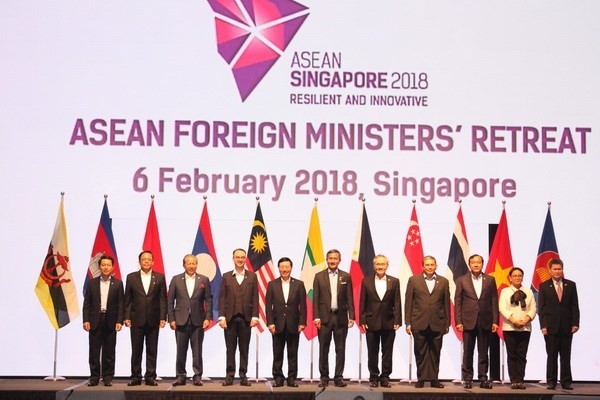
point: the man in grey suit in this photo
(380, 317)
(333, 312)
(145, 315)
(285, 305)
(189, 305)
(427, 315)
(476, 316)
(558, 306)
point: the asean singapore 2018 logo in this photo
(253, 34)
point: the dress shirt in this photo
(477, 284)
(380, 286)
(239, 276)
(430, 282)
(146, 277)
(190, 281)
(285, 286)
(333, 278)
(104, 287)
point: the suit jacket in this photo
(422, 309)
(142, 308)
(286, 315)
(249, 288)
(181, 307)
(322, 296)
(558, 316)
(379, 313)
(114, 303)
(470, 310)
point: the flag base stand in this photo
(458, 381)
(407, 380)
(54, 378)
(310, 380)
(256, 380)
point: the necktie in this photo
(559, 290)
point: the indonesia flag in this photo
(362, 260)
(104, 245)
(152, 241)
(546, 252)
(204, 249)
(313, 262)
(260, 261)
(458, 263)
(413, 252)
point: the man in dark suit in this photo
(427, 315)
(238, 314)
(102, 318)
(333, 311)
(380, 317)
(558, 307)
(476, 316)
(285, 306)
(145, 314)
(189, 307)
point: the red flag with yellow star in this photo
(500, 261)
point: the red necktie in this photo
(559, 290)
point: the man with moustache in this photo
(189, 305)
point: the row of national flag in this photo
(56, 291)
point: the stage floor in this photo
(13, 388)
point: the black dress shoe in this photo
(515, 386)
(420, 384)
(228, 382)
(107, 382)
(292, 383)
(93, 383)
(567, 387)
(468, 385)
(197, 380)
(135, 382)
(278, 384)
(485, 384)
(149, 382)
(244, 382)
(340, 383)
(522, 386)
(551, 386)
(323, 383)
(180, 382)
(385, 384)
(373, 384)
(436, 384)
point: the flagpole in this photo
(54, 377)
(311, 378)
(410, 356)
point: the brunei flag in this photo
(313, 262)
(204, 249)
(55, 287)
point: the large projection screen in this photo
(386, 101)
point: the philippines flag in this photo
(103, 245)
(260, 261)
(204, 249)
(362, 260)
(458, 264)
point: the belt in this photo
(333, 311)
(102, 312)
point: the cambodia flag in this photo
(204, 249)
(103, 245)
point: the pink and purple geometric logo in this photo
(253, 34)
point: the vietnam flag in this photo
(362, 260)
(500, 261)
(55, 287)
(104, 244)
(152, 241)
(458, 263)
(204, 249)
(546, 252)
(313, 262)
(413, 253)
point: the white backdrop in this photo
(498, 63)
